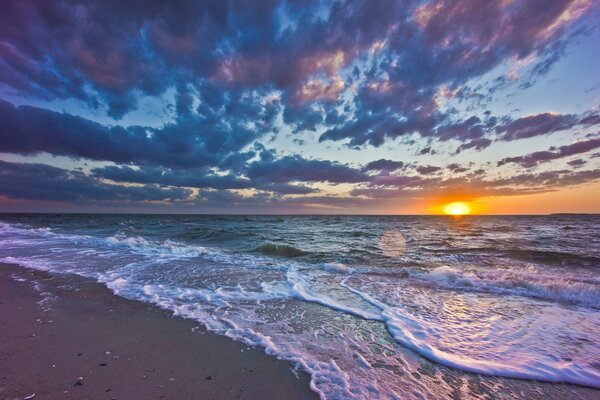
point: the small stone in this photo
(103, 364)
(209, 378)
(171, 379)
(31, 396)
(78, 383)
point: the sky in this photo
(315, 107)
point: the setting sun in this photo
(457, 208)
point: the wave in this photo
(529, 282)
(546, 257)
(553, 257)
(421, 335)
(280, 250)
(165, 248)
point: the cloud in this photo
(536, 125)
(474, 185)
(532, 159)
(296, 168)
(383, 165)
(236, 76)
(457, 168)
(44, 182)
(189, 142)
(111, 53)
(201, 179)
(577, 163)
(427, 169)
(182, 178)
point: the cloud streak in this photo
(533, 159)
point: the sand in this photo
(65, 337)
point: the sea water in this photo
(344, 297)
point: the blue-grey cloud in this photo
(189, 142)
(44, 182)
(296, 168)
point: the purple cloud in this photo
(536, 125)
(383, 165)
(532, 159)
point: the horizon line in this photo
(291, 215)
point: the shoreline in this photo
(64, 336)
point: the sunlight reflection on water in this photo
(392, 244)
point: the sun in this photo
(457, 208)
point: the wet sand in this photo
(65, 337)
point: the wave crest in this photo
(280, 250)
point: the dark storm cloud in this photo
(44, 182)
(532, 159)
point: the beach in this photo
(227, 307)
(65, 337)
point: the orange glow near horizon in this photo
(457, 208)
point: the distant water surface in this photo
(511, 296)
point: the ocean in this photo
(346, 298)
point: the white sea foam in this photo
(338, 267)
(525, 281)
